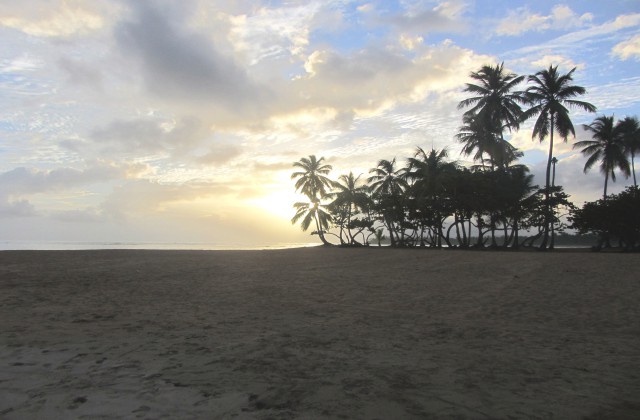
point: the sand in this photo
(319, 333)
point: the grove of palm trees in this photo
(433, 201)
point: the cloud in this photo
(56, 18)
(88, 215)
(521, 20)
(20, 182)
(183, 65)
(147, 136)
(561, 61)
(445, 17)
(627, 49)
(187, 140)
(23, 180)
(142, 196)
(81, 73)
(272, 32)
(17, 208)
(377, 78)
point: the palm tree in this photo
(629, 129)
(312, 212)
(607, 147)
(312, 178)
(388, 185)
(314, 183)
(428, 171)
(494, 109)
(351, 197)
(495, 101)
(554, 161)
(551, 93)
(477, 138)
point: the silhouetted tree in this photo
(495, 108)
(350, 198)
(388, 185)
(616, 217)
(606, 147)
(551, 93)
(312, 181)
(629, 129)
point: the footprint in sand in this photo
(77, 402)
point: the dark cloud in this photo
(181, 65)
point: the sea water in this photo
(55, 246)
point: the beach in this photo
(319, 333)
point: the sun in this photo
(278, 203)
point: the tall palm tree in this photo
(314, 183)
(312, 177)
(551, 93)
(606, 147)
(495, 108)
(629, 129)
(387, 184)
(496, 101)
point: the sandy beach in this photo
(319, 333)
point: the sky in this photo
(179, 120)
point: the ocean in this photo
(60, 246)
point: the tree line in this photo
(433, 201)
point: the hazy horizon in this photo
(178, 121)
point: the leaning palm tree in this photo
(606, 147)
(629, 129)
(314, 183)
(551, 93)
(312, 212)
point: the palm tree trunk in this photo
(320, 233)
(547, 216)
(633, 169)
(606, 181)
(516, 239)
(553, 224)
(480, 242)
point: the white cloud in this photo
(522, 20)
(556, 60)
(627, 49)
(271, 32)
(57, 18)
